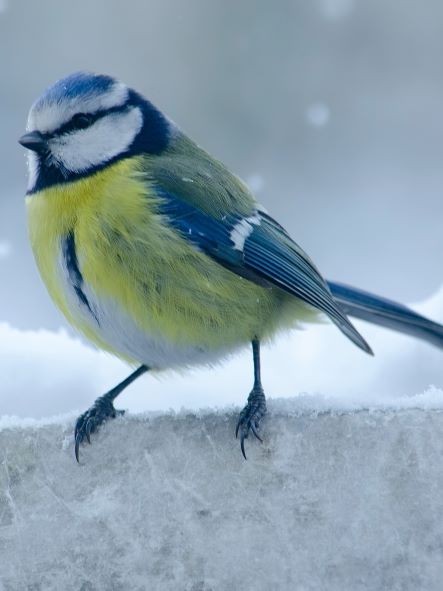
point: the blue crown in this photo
(77, 85)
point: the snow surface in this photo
(344, 493)
(336, 501)
(46, 373)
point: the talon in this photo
(90, 421)
(242, 446)
(254, 430)
(78, 439)
(102, 410)
(88, 430)
(250, 416)
(77, 427)
(237, 428)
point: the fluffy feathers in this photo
(177, 264)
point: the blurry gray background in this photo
(330, 109)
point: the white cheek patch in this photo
(108, 137)
(33, 169)
(241, 231)
(50, 116)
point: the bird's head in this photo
(85, 122)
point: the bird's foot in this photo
(250, 417)
(89, 421)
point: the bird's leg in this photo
(102, 410)
(255, 409)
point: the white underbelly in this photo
(114, 326)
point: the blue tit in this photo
(156, 252)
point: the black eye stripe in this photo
(81, 121)
(78, 121)
(72, 124)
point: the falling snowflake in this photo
(317, 114)
(5, 247)
(336, 9)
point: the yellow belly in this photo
(155, 295)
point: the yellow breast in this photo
(155, 298)
(84, 208)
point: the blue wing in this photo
(258, 248)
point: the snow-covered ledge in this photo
(332, 500)
(344, 494)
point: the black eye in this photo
(81, 121)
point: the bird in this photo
(157, 253)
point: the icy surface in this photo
(335, 501)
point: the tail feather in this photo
(377, 310)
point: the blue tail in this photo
(387, 313)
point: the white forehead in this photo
(54, 110)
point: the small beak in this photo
(34, 141)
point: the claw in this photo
(88, 422)
(253, 427)
(88, 430)
(242, 446)
(102, 410)
(78, 440)
(250, 417)
(237, 428)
